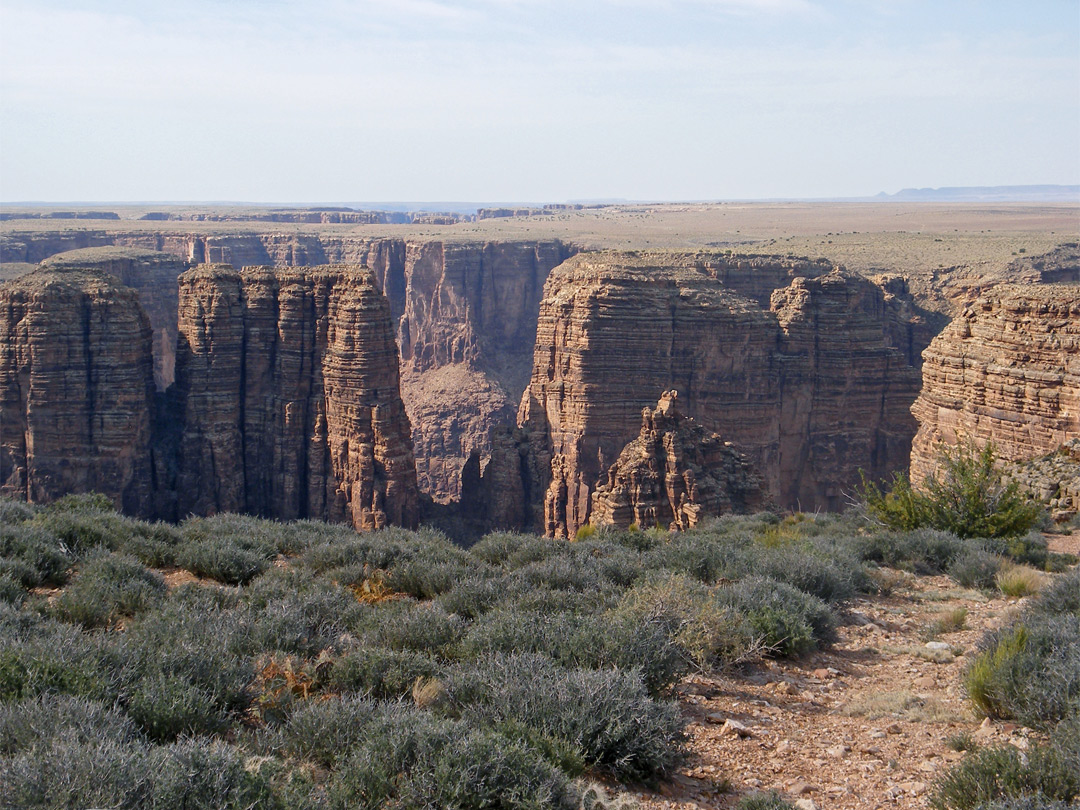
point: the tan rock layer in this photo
(76, 389)
(810, 392)
(1007, 371)
(291, 407)
(674, 474)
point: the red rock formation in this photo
(291, 405)
(674, 474)
(152, 274)
(1007, 371)
(810, 392)
(76, 389)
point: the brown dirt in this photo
(861, 726)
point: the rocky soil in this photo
(864, 725)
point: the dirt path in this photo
(861, 726)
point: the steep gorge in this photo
(810, 390)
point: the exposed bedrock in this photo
(810, 391)
(152, 274)
(1007, 371)
(76, 389)
(288, 391)
(674, 474)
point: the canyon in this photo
(505, 381)
(1005, 371)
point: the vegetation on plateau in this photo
(238, 662)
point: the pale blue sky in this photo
(532, 100)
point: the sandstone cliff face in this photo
(811, 391)
(290, 401)
(674, 474)
(76, 389)
(152, 274)
(1007, 371)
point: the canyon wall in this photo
(287, 382)
(464, 315)
(76, 389)
(674, 474)
(811, 390)
(152, 275)
(1007, 371)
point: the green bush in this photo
(787, 621)
(108, 587)
(13, 511)
(166, 706)
(33, 556)
(408, 625)
(606, 715)
(325, 731)
(974, 567)
(994, 774)
(220, 560)
(383, 674)
(11, 591)
(967, 497)
(764, 801)
(40, 656)
(29, 725)
(1030, 672)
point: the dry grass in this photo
(1019, 581)
(901, 705)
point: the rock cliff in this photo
(152, 274)
(811, 391)
(289, 398)
(76, 389)
(1007, 371)
(674, 474)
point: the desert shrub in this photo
(33, 556)
(408, 625)
(1030, 672)
(581, 640)
(13, 511)
(324, 731)
(696, 554)
(199, 773)
(291, 612)
(221, 560)
(152, 544)
(786, 620)
(384, 674)
(28, 725)
(258, 535)
(424, 578)
(967, 497)
(994, 774)
(499, 548)
(922, 550)
(1024, 803)
(166, 706)
(831, 576)
(1061, 596)
(974, 567)
(396, 745)
(195, 639)
(607, 715)
(478, 592)
(484, 770)
(704, 631)
(11, 591)
(39, 656)
(66, 772)
(1017, 581)
(764, 801)
(951, 621)
(109, 586)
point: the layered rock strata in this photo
(152, 275)
(811, 391)
(1007, 371)
(76, 389)
(289, 397)
(674, 474)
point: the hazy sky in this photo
(532, 100)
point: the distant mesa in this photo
(1044, 193)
